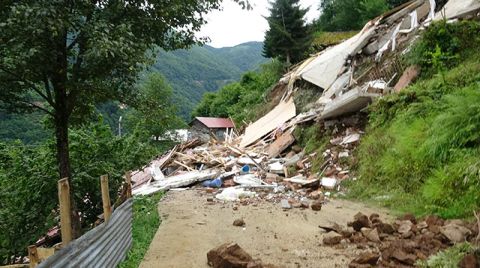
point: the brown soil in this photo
(191, 226)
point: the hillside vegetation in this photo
(243, 101)
(195, 71)
(421, 152)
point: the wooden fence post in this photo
(107, 207)
(33, 256)
(65, 214)
(128, 180)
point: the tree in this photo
(347, 15)
(62, 57)
(155, 111)
(288, 36)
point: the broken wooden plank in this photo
(282, 143)
(180, 180)
(283, 112)
(300, 179)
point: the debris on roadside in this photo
(402, 243)
(239, 223)
(232, 255)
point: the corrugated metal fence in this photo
(104, 246)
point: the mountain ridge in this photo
(200, 69)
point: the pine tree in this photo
(289, 36)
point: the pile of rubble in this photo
(400, 244)
(278, 171)
(265, 161)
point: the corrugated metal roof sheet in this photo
(213, 122)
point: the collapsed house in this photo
(264, 161)
(205, 127)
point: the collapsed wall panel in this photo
(458, 8)
(352, 101)
(325, 68)
(283, 112)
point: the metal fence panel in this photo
(104, 246)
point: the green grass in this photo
(331, 38)
(421, 153)
(145, 224)
(448, 258)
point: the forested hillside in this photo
(197, 70)
(190, 72)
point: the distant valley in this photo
(195, 71)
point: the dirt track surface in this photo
(191, 227)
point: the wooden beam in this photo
(65, 214)
(128, 181)
(107, 206)
(33, 256)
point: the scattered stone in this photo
(409, 217)
(316, 205)
(304, 204)
(433, 220)
(469, 261)
(332, 238)
(285, 204)
(360, 221)
(231, 255)
(367, 258)
(385, 228)
(239, 222)
(317, 195)
(374, 216)
(404, 226)
(422, 225)
(371, 235)
(455, 233)
(210, 199)
(403, 257)
(228, 255)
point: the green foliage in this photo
(312, 139)
(200, 70)
(241, 100)
(443, 45)
(288, 37)
(27, 128)
(145, 224)
(321, 40)
(422, 147)
(96, 151)
(28, 181)
(449, 258)
(348, 15)
(154, 111)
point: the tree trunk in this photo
(63, 157)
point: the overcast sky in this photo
(233, 26)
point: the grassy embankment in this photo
(421, 153)
(145, 224)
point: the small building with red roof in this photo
(205, 127)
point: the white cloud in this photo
(232, 25)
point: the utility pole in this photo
(120, 126)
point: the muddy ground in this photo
(191, 226)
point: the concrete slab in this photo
(352, 101)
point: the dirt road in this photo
(292, 238)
